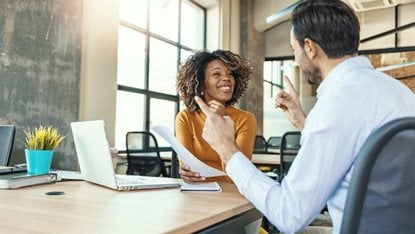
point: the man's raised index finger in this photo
(205, 109)
(289, 85)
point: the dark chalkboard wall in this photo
(40, 57)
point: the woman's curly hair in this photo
(191, 76)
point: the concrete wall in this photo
(252, 48)
(40, 51)
(99, 63)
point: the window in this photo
(275, 121)
(153, 37)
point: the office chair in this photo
(260, 145)
(289, 147)
(381, 196)
(6, 143)
(273, 143)
(143, 155)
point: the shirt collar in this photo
(340, 70)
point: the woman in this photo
(220, 78)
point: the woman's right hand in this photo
(188, 175)
(217, 107)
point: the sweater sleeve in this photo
(183, 132)
(245, 134)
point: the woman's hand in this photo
(189, 176)
(217, 107)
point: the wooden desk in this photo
(88, 208)
(271, 159)
(266, 159)
(258, 159)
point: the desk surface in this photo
(266, 159)
(262, 159)
(88, 208)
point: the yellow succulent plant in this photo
(43, 138)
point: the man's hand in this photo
(219, 132)
(289, 102)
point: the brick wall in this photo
(405, 74)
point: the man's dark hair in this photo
(330, 23)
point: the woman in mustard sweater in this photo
(220, 78)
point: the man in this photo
(353, 100)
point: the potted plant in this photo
(40, 145)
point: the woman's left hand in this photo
(188, 175)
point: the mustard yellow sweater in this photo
(189, 127)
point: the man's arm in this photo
(219, 132)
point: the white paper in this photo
(68, 175)
(201, 186)
(188, 158)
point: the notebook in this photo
(95, 161)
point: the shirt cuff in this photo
(239, 168)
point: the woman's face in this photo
(219, 82)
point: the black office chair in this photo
(381, 197)
(273, 143)
(6, 143)
(260, 145)
(143, 155)
(289, 147)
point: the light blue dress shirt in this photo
(353, 101)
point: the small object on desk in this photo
(20, 165)
(55, 193)
(200, 187)
(22, 179)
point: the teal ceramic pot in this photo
(38, 161)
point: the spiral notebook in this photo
(200, 187)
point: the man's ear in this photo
(310, 48)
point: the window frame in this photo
(149, 94)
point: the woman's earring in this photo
(202, 93)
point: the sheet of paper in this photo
(188, 158)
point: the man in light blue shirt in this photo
(353, 100)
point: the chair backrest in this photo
(6, 143)
(289, 147)
(381, 196)
(260, 145)
(143, 155)
(273, 143)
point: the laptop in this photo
(95, 161)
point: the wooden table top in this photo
(266, 159)
(263, 159)
(89, 208)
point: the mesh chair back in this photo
(260, 145)
(6, 143)
(289, 147)
(274, 143)
(381, 197)
(143, 155)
